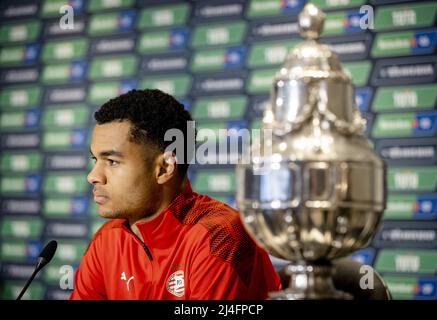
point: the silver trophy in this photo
(320, 193)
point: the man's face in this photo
(124, 182)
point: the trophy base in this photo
(310, 282)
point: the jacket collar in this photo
(169, 220)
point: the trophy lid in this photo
(312, 59)
(312, 77)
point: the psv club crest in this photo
(175, 283)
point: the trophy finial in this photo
(311, 21)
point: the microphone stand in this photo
(37, 269)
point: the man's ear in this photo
(166, 167)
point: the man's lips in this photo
(100, 197)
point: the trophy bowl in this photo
(313, 189)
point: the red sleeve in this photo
(88, 283)
(213, 278)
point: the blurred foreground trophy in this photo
(320, 193)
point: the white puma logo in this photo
(123, 277)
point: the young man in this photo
(164, 241)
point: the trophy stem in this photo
(310, 281)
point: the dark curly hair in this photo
(151, 113)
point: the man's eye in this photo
(112, 162)
(94, 159)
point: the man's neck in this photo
(168, 195)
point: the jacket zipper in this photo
(145, 247)
(149, 255)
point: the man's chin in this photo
(109, 214)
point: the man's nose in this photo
(96, 175)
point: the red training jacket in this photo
(197, 248)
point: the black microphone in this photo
(44, 257)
